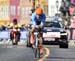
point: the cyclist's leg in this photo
(32, 36)
(18, 34)
(11, 35)
(41, 45)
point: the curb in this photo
(71, 42)
(10, 42)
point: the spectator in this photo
(2, 27)
(64, 9)
(67, 5)
(71, 9)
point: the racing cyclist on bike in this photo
(37, 21)
(17, 26)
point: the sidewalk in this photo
(72, 43)
(22, 42)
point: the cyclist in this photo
(37, 21)
(17, 26)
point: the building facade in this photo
(20, 9)
(4, 11)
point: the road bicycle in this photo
(36, 46)
(15, 34)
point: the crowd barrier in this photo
(71, 33)
(6, 35)
(25, 33)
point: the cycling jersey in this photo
(35, 21)
(17, 25)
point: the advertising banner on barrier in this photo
(6, 35)
(24, 35)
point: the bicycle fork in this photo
(36, 42)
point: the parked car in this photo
(55, 32)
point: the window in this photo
(13, 10)
(22, 13)
(52, 24)
(4, 12)
(25, 11)
(19, 11)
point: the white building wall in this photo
(52, 9)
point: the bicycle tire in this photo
(35, 51)
(36, 48)
(38, 52)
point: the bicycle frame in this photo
(14, 37)
(36, 39)
(37, 46)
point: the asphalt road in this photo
(16, 53)
(22, 53)
(60, 54)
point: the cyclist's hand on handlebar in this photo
(38, 26)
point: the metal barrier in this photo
(72, 33)
(6, 35)
(25, 34)
(70, 22)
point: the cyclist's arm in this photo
(10, 26)
(19, 26)
(33, 19)
(43, 19)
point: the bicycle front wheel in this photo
(37, 49)
(37, 52)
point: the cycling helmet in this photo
(39, 11)
(15, 21)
